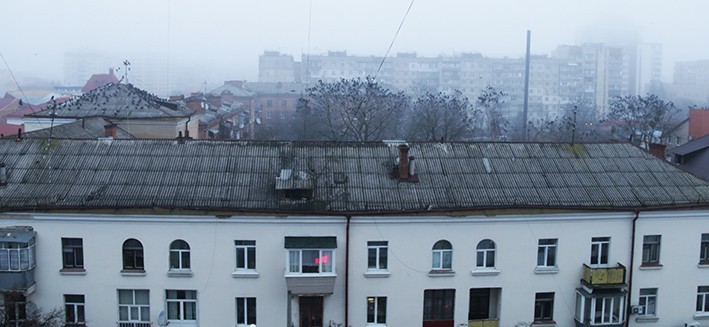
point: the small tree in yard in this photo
(488, 119)
(441, 117)
(33, 317)
(352, 110)
(577, 123)
(643, 120)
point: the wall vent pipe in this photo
(3, 174)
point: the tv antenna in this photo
(126, 69)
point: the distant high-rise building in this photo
(277, 67)
(594, 73)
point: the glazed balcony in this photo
(604, 276)
(484, 323)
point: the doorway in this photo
(310, 309)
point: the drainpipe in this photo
(632, 266)
(289, 311)
(347, 271)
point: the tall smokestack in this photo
(526, 86)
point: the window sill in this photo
(133, 272)
(701, 316)
(650, 266)
(441, 273)
(377, 274)
(647, 318)
(245, 274)
(546, 270)
(73, 271)
(485, 272)
(703, 265)
(179, 273)
(544, 323)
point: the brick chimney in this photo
(109, 130)
(403, 162)
(658, 150)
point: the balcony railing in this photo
(484, 323)
(134, 324)
(604, 276)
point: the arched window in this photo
(133, 255)
(486, 254)
(442, 255)
(179, 255)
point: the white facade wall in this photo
(516, 238)
(213, 261)
(680, 274)
(410, 241)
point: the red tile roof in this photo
(98, 80)
(8, 130)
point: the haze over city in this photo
(218, 40)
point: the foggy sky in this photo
(230, 35)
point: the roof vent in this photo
(3, 174)
(294, 185)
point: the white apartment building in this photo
(137, 233)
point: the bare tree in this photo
(488, 119)
(31, 316)
(576, 123)
(441, 117)
(643, 120)
(352, 110)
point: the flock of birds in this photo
(112, 97)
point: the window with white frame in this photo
(17, 256)
(544, 307)
(442, 255)
(377, 253)
(376, 310)
(72, 253)
(245, 254)
(74, 310)
(311, 261)
(703, 299)
(546, 253)
(648, 301)
(181, 305)
(704, 249)
(651, 250)
(133, 306)
(600, 247)
(608, 310)
(485, 254)
(245, 311)
(14, 309)
(133, 255)
(179, 255)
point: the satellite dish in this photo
(162, 319)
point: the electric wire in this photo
(19, 87)
(394, 39)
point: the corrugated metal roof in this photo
(117, 101)
(344, 177)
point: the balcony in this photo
(17, 259)
(604, 276)
(484, 323)
(133, 324)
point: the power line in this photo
(394, 39)
(18, 86)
